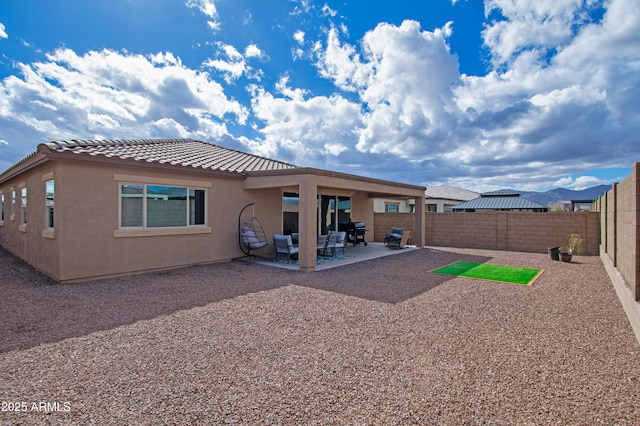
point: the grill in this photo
(355, 233)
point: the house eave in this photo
(396, 187)
(33, 160)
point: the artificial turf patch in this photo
(485, 271)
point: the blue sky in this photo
(526, 94)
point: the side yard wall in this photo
(620, 212)
(516, 231)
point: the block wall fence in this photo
(619, 209)
(511, 231)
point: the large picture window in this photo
(159, 206)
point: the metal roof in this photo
(180, 152)
(500, 201)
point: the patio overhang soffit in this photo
(375, 188)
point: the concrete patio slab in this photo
(353, 254)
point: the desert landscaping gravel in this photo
(378, 342)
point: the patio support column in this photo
(418, 238)
(307, 223)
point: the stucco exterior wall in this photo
(85, 243)
(27, 241)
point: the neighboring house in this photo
(442, 198)
(80, 210)
(504, 200)
(559, 206)
(437, 199)
(390, 205)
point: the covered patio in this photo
(309, 184)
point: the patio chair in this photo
(322, 246)
(285, 246)
(341, 241)
(330, 248)
(394, 236)
(404, 240)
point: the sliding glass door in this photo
(334, 213)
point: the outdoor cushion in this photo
(248, 236)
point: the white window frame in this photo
(24, 194)
(49, 204)
(388, 205)
(12, 216)
(141, 231)
(49, 231)
(2, 206)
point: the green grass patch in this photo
(485, 271)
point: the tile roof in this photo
(180, 152)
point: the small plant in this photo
(574, 243)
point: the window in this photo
(50, 190)
(13, 204)
(159, 206)
(1, 207)
(391, 207)
(23, 193)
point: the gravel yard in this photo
(378, 342)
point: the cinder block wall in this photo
(620, 212)
(383, 222)
(516, 231)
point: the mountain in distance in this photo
(563, 194)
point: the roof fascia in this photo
(414, 190)
(30, 162)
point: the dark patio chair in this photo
(285, 246)
(394, 236)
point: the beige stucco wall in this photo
(92, 246)
(85, 243)
(28, 242)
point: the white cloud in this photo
(3, 32)
(113, 94)
(404, 75)
(231, 63)
(208, 8)
(540, 24)
(327, 11)
(303, 129)
(253, 51)
(579, 183)
(299, 36)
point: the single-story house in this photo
(79, 210)
(442, 198)
(503, 200)
(438, 199)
